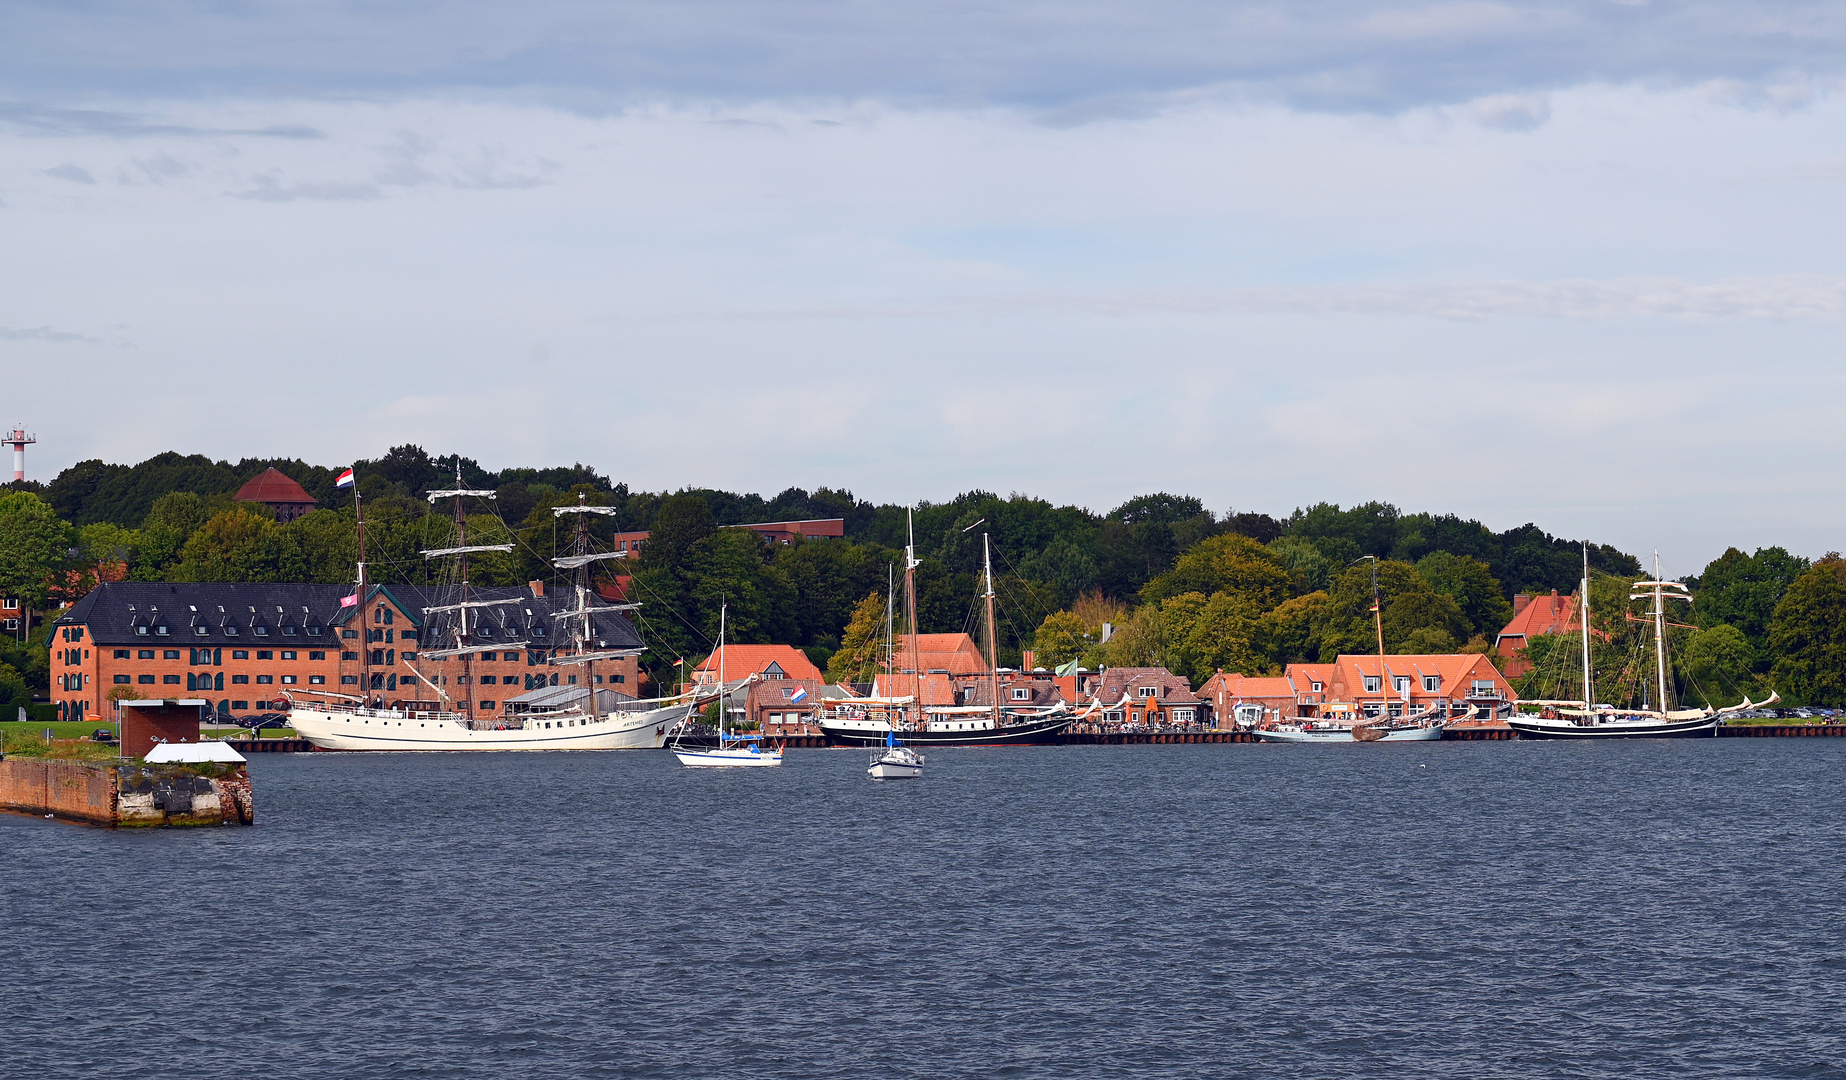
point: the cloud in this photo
(1341, 55)
(70, 172)
(271, 189)
(45, 333)
(39, 120)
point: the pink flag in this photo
(350, 601)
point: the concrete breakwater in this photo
(125, 795)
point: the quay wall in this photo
(112, 795)
(67, 789)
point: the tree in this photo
(34, 545)
(1807, 635)
(1717, 661)
(1468, 582)
(860, 655)
(1743, 590)
(1061, 638)
(231, 546)
(1225, 563)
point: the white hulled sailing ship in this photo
(732, 751)
(474, 621)
(1572, 719)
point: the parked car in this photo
(103, 735)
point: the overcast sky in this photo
(1577, 263)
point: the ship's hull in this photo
(1345, 735)
(1703, 727)
(729, 758)
(385, 729)
(870, 733)
(898, 764)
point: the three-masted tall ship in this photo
(870, 722)
(1573, 719)
(469, 621)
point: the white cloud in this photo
(1263, 306)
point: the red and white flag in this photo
(350, 601)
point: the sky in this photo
(1577, 263)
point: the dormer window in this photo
(201, 631)
(314, 631)
(1317, 688)
(1147, 691)
(142, 630)
(1021, 693)
(230, 631)
(289, 631)
(262, 631)
(1432, 683)
(160, 631)
(1373, 683)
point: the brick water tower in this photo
(19, 440)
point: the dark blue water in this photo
(1449, 909)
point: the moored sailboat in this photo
(872, 721)
(1568, 719)
(333, 721)
(732, 751)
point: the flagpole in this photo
(365, 652)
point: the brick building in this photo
(1150, 696)
(1231, 699)
(275, 490)
(1355, 684)
(1534, 616)
(246, 647)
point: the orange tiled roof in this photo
(1250, 686)
(1544, 615)
(741, 660)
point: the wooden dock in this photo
(1778, 731)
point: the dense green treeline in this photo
(1178, 584)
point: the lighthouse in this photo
(18, 440)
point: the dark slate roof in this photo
(529, 621)
(290, 613)
(280, 614)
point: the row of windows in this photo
(215, 656)
(216, 681)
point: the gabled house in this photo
(1534, 616)
(1150, 696)
(770, 661)
(1369, 685)
(1231, 698)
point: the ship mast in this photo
(461, 550)
(1384, 692)
(910, 605)
(1656, 590)
(993, 667)
(1583, 614)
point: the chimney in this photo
(1519, 602)
(538, 588)
(1027, 660)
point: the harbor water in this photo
(1627, 909)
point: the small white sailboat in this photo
(749, 753)
(897, 762)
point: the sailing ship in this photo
(1584, 719)
(732, 751)
(475, 621)
(1424, 726)
(871, 722)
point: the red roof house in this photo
(271, 488)
(770, 661)
(1535, 616)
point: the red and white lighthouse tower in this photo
(19, 440)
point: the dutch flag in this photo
(344, 480)
(798, 695)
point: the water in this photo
(1432, 909)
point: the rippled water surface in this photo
(1438, 909)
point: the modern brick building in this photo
(246, 647)
(1251, 699)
